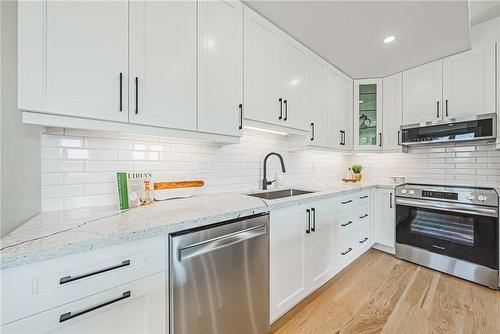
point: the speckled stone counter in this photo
(58, 233)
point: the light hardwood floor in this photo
(380, 293)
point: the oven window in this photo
(467, 237)
(443, 226)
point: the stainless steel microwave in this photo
(450, 130)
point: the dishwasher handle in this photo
(214, 244)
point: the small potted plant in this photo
(356, 170)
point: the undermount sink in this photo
(280, 193)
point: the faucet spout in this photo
(265, 182)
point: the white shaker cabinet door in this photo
(422, 93)
(335, 115)
(384, 220)
(163, 64)
(262, 75)
(294, 84)
(138, 307)
(220, 67)
(469, 83)
(321, 246)
(392, 101)
(347, 112)
(316, 100)
(288, 253)
(73, 58)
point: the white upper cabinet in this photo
(220, 67)
(262, 74)
(316, 100)
(422, 93)
(469, 83)
(73, 58)
(294, 69)
(275, 71)
(392, 102)
(163, 63)
(368, 115)
(339, 109)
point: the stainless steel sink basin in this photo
(280, 193)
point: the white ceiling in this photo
(349, 34)
(481, 11)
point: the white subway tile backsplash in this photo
(79, 167)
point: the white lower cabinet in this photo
(384, 217)
(137, 307)
(288, 256)
(307, 242)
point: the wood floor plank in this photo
(379, 293)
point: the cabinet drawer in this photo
(353, 200)
(352, 219)
(136, 307)
(37, 287)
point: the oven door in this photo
(462, 231)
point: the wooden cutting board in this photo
(178, 184)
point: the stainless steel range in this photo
(450, 229)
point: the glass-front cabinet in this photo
(368, 115)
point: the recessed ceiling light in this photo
(389, 39)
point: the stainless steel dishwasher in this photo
(219, 278)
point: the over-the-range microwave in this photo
(450, 130)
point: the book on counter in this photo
(134, 189)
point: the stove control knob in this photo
(470, 197)
(403, 191)
(481, 198)
(411, 192)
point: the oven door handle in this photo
(447, 206)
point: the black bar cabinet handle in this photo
(308, 229)
(347, 202)
(286, 110)
(347, 251)
(446, 107)
(346, 224)
(136, 95)
(313, 211)
(241, 116)
(121, 91)
(363, 197)
(399, 134)
(341, 138)
(312, 131)
(437, 108)
(363, 216)
(380, 139)
(280, 100)
(69, 315)
(362, 241)
(390, 200)
(68, 279)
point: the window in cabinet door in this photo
(367, 124)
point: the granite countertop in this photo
(58, 233)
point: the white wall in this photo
(79, 167)
(19, 144)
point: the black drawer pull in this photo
(240, 107)
(347, 202)
(121, 91)
(346, 224)
(363, 216)
(68, 279)
(363, 197)
(280, 100)
(362, 241)
(347, 251)
(69, 315)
